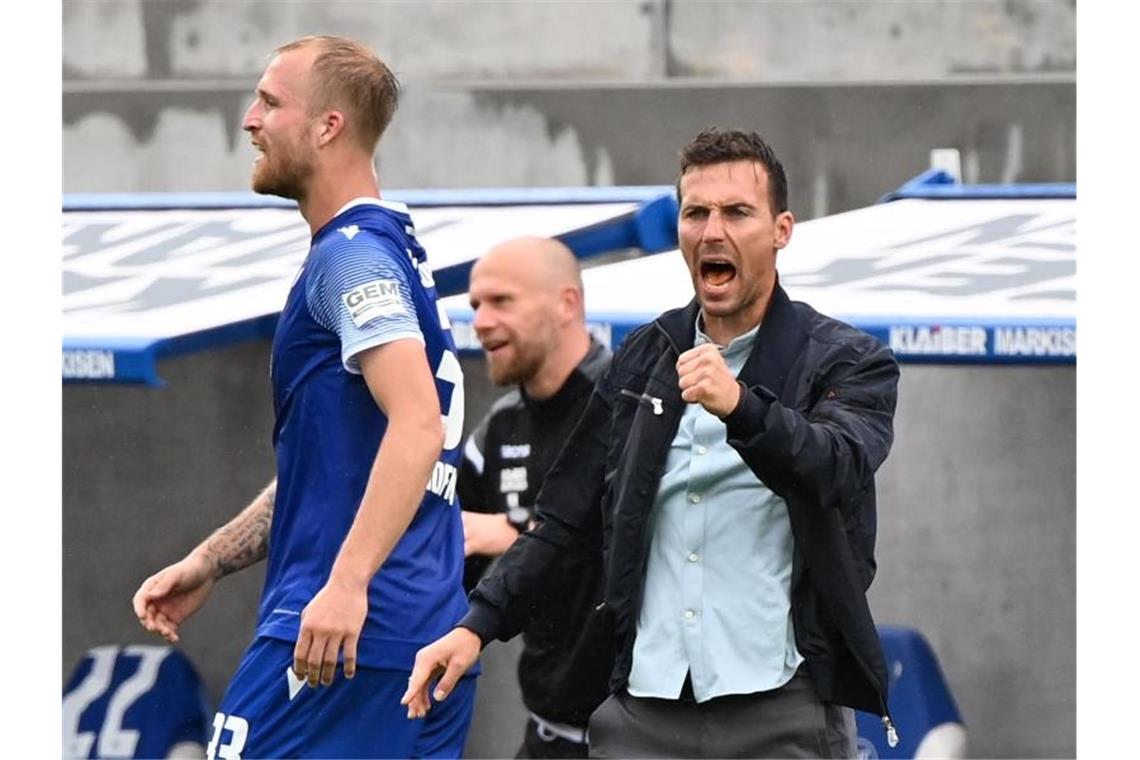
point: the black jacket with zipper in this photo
(814, 423)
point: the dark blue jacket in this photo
(814, 426)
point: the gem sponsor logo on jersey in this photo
(935, 340)
(373, 299)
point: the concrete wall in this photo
(853, 95)
(843, 146)
(976, 532)
(147, 474)
(492, 40)
(977, 546)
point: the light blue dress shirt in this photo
(717, 599)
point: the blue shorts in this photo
(266, 712)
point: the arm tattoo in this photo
(244, 540)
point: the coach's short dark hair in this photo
(714, 146)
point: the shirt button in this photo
(702, 450)
(693, 557)
(695, 498)
(689, 614)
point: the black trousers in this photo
(788, 722)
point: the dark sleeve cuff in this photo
(483, 620)
(749, 413)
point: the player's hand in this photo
(330, 621)
(167, 598)
(448, 658)
(706, 380)
(488, 534)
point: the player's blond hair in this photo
(348, 76)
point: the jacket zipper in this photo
(892, 734)
(888, 725)
(885, 719)
(645, 398)
(658, 409)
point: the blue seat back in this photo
(919, 699)
(131, 702)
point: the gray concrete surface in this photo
(147, 474)
(977, 546)
(619, 40)
(853, 94)
(976, 531)
(843, 146)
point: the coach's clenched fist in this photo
(706, 380)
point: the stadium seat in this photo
(922, 708)
(134, 702)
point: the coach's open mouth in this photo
(717, 272)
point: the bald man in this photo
(529, 317)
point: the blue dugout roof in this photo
(987, 278)
(149, 276)
(939, 184)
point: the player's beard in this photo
(283, 172)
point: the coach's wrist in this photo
(482, 620)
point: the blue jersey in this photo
(133, 701)
(365, 282)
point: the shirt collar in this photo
(365, 200)
(737, 344)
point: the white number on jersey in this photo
(449, 371)
(114, 740)
(239, 732)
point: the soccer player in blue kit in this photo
(361, 526)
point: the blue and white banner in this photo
(141, 284)
(948, 281)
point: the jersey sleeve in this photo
(360, 291)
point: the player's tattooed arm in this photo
(244, 540)
(168, 598)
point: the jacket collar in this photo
(680, 325)
(778, 343)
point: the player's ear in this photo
(330, 124)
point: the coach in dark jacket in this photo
(805, 405)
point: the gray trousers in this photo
(789, 721)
